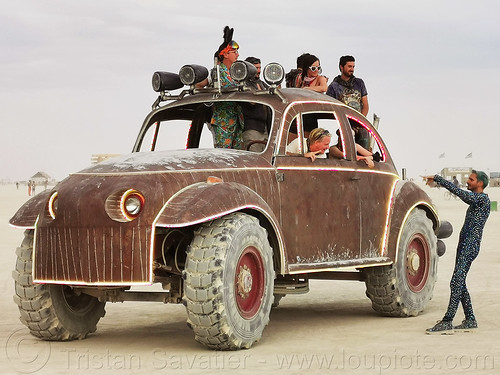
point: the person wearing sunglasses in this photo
(311, 77)
(227, 117)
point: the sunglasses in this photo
(325, 133)
(314, 68)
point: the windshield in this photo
(200, 126)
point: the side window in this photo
(302, 125)
(293, 137)
(337, 143)
(258, 122)
(366, 138)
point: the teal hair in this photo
(483, 177)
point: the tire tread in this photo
(34, 300)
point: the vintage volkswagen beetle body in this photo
(226, 232)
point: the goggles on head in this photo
(232, 45)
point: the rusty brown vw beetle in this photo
(225, 232)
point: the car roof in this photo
(285, 97)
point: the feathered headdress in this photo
(228, 43)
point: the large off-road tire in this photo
(229, 282)
(405, 288)
(50, 311)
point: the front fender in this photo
(27, 215)
(407, 196)
(202, 202)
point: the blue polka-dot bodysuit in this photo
(468, 246)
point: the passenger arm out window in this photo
(367, 141)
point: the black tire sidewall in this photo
(44, 308)
(76, 320)
(249, 234)
(414, 302)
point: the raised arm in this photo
(467, 196)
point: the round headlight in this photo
(125, 205)
(52, 205)
(273, 73)
(241, 70)
(192, 74)
(132, 203)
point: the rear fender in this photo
(203, 202)
(407, 196)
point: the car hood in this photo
(181, 160)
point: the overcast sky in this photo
(75, 76)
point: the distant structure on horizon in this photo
(462, 173)
(42, 179)
(495, 179)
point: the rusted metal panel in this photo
(92, 255)
(320, 210)
(203, 201)
(407, 196)
(111, 252)
(376, 193)
(337, 265)
(27, 215)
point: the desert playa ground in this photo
(332, 329)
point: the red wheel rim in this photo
(249, 282)
(417, 262)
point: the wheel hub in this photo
(245, 280)
(413, 262)
(417, 263)
(249, 282)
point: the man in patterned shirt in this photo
(351, 90)
(347, 88)
(227, 117)
(467, 250)
(227, 120)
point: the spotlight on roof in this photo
(166, 81)
(242, 70)
(273, 74)
(192, 74)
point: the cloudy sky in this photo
(75, 76)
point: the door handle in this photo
(355, 178)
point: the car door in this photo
(319, 200)
(375, 187)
